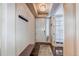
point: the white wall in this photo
(0, 25)
(25, 31)
(8, 30)
(69, 29)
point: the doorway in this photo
(42, 30)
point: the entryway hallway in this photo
(39, 29)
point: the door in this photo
(40, 30)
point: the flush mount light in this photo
(43, 7)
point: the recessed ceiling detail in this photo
(42, 9)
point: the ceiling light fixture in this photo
(43, 7)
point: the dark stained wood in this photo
(35, 50)
(27, 51)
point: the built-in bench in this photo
(27, 51)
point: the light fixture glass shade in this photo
(42, 7)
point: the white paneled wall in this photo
(8, 30)
(25, 31)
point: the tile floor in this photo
(45, 50)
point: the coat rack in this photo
(21, 17)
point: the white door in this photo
(40, 30)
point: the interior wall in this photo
(25, 31)
(69, 30)
(77, 29)
(8, 30)
(0, 25)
